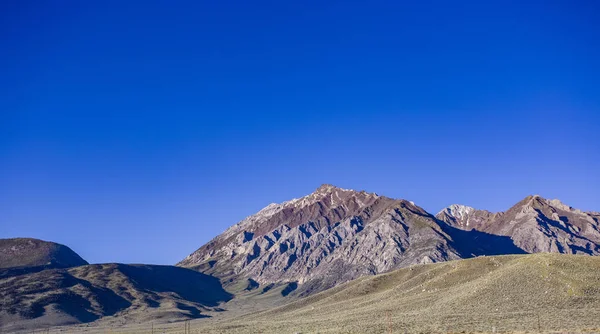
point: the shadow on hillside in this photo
(10, 272)
(18, 271)
(475, 243)
(29, 296)
(87, 293)
(188, 284)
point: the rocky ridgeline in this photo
(535, 225)
(335, 235)
(330, 236)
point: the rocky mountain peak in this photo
(334, 235)
(535, 224)
(464, 217)
(457, 211)
(325, 187)
(537, 204)
(537, 199)
(334, 196)
(331, 235)
(326, 197)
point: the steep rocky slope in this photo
(330, 236)
(534, 224)
(465, 217)
(335, 235)
(20, 255)
(87, 293)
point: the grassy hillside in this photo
(548, 293)
(501, 293)
(117, 293)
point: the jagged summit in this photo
(334, 235)
(332, 194)
(530, 199)
(556, 203)
(461, 214)
(331, 235)
(540, 200)
(464, 217)
(535, 224)
(327, 195)
(326, 187)
(457, 210)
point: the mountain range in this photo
(534, 224)
(335, 235)
(282, 253)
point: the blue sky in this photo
(137, 131)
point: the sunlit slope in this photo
(503, 293)
(106, 292)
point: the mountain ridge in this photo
(334, 235)
(535, 224)
(327, 237)
(297, 248)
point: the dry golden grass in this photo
(549, 293)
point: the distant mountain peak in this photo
(457, 210)
(329, 236)
(537, 201)
(464, 217)
(335, 196)
(326, 187)
(535, 224)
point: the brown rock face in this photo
(330, 236)
(534, 224)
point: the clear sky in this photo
(135, 131)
